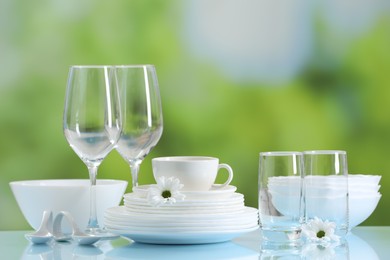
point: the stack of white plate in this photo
(202, 217)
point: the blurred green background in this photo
(236, 78)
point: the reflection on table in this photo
(365, 243)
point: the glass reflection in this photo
(226, 250)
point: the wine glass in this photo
(92, 121)
(142, 115)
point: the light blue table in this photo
(363, 243)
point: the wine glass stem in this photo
(134, 169)
(93, 224)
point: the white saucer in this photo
(214, 193)
(200, 237)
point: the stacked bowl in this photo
(363, 195)
(202, 217)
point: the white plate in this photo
(201, 237)
(122, 212)
(171, 223)
(243, 219)
(159, 229)
(213, 193)
(235, 197)
(148, 223)
(184, 210)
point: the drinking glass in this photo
(142, 114)
(281, 203)
(92, 121)
(326, 187)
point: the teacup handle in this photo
(230, 178)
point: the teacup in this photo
(196, 173)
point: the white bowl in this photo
(360, 206)
(364, 179)
(353, 179)
(358, 185)
(73, 195)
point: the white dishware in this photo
(196, 173)
(92, 121)
(44, 232)
(142, 114)
(235, 197)
(186, 210)
(195, 237)
(122, 211)
(212, 194)
(73, 195)
(170, 228)
(243, 219)
(353, 180)
(364, 179)
(281, 226)
(360, 208)
(178, 230)
(122, 214)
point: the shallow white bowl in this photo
(73, 195)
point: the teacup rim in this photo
(184, 158)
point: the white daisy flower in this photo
(321, 232)
(167, 190)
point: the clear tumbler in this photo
(281, 200)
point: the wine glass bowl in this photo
(141, 112)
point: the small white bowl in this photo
(73, 195)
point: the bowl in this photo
(73, 195)
(364, 179)
(360, 206)
(358, 184)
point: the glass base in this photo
(279, 245)
(286, 237)
(101, 232)
(279, 251)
